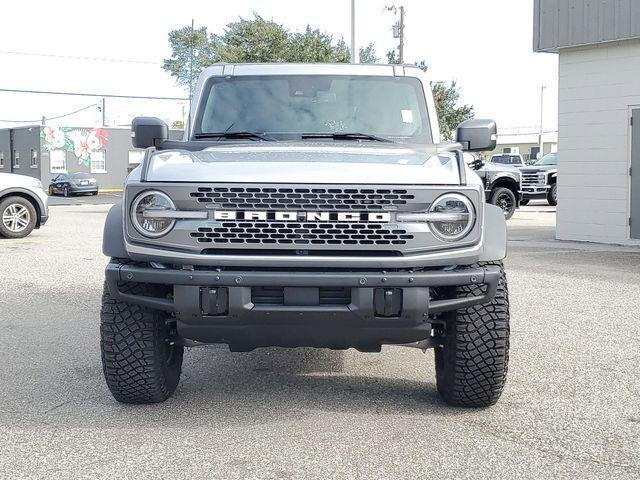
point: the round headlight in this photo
(144, 210)
(457, 217)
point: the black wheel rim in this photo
(505, 202)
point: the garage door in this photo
(635, 175)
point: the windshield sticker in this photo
(407, 116)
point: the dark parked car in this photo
(501, 183)
(72, 184)
(539, 181)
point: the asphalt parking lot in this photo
(103, 198)
(571, 408)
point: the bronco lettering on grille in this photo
(302, 216)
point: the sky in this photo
(117, 48)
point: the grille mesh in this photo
(301, 234)
(273, 198)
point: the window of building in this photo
(98, 162)
(1, 159)
(34, 158)
(58, 161)
(136, 157)
(16, 159)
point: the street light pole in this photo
(541, 144)
(353, 31)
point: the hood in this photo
(538, 168)
(307, 162)
(497, 167)
(15, 180)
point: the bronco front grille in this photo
(278, 198)
(302, 234)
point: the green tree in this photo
(368, 54)
(251, 41)
(450, 114)
(260, 40)
(179, 65)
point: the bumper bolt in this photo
(362, 281)
(238, 279)
(474, 279)
(129, 276)
(384, 279)
(411, 280)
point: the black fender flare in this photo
(113, 236)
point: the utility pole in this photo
(398, 30)
(104, 113)
(191, 61)
(401, 33)
(190, 77)
(353, 32)
(541, 144)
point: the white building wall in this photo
(597, 87)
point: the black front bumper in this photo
(297, 318)
(534, 192)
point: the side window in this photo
(98, 162)
(16, 159)
(58, 161)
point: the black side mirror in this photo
(148, 132)
(478, 163)
(477, 135)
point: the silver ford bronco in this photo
(307, 205)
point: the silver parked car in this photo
(23, 205)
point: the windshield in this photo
(287, 106)
(506, 159)
(548, 159)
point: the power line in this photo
(78, 57)
(77, 94)
(93, 105)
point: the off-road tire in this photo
(552, 196)
(29, 211)
(471, 364)
(504, 194)
(139, 362)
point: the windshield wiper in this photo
(234, 135)
(346, 136)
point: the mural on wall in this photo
(81, 141)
